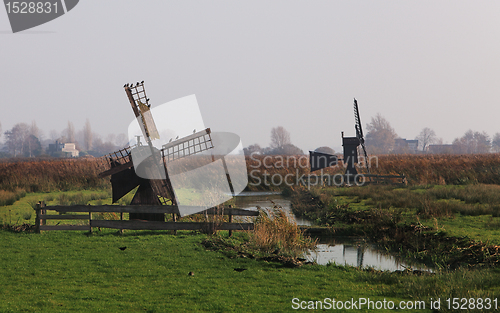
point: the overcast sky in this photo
(254, 65)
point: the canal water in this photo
(253, 200)
(339, 250)
(358, 253)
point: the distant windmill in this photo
(351, 145)
(320, 160)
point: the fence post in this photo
(90, 222)
(37, 218)
(174, 218)
(230, 221)
(121, 219)
(44, 212)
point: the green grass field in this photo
(77, 272)
(73, 272)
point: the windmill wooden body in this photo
(351, 145)
(350, 158)
(143, 165)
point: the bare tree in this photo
(87, 136)
(495, 143)
(121, 140)
(426, 137)
(35, 131)
(255, 148)
(279, 137)
(54, 134)
(70, 132)
(111, 138)
(473, 142)
(16, 138)
(380, 137)
(0, 130)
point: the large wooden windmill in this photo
(143, 165)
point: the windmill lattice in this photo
(149, 161)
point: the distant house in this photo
(60, 149)
(401, 145)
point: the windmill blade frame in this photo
(359, 133)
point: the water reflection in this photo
(340, 250)
(358, 253)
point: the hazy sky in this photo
(254, 65)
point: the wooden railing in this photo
(84, 212)
(361, 180)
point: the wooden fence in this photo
(362, 180)
(85, 213)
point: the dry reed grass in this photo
(51, 175)
(9, 197)
(442, 168)
(276, 232)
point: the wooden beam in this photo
(116, 169)
(115, 208)
(231, 211)
(149, 225)
(148, 209)
(65, 227)
(65, 217)
(185, 139)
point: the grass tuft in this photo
(276, 232)
(9, 197)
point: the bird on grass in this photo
(191, 274)
(122, 248)
(240, 269)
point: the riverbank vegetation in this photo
(76, 174)
(447, 217)
(160, 272)
(442, 226)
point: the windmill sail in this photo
(359, 133)
(147, 121)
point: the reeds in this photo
(429, 169)
(442, 168)
(51, 175)
(9, 197)
(82, 198)
(276, 232)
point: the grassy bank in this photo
(62, 271)
(21, 211)
(442, 226)
(449, 226)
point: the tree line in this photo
(28, 140)
(381, 138)
(281, 144)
